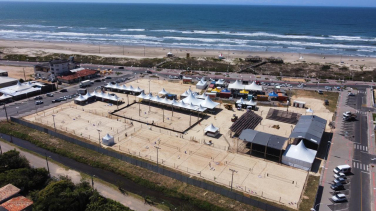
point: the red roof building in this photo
(8, 192)
(79, 76)
(18, 204)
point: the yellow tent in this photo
(244, 92)
(209, 89)
(216, 90)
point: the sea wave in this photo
(132, 30)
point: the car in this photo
(340, 197)
(68, 97)
(108, 77)
(320, 92)
(121, 68)
(148, 72)
(98, 80)
(56, 101)
(340, 180)
(38, 98)
(340, 175)
(49, 95)
(38, 102)
(337, 187)
(351, 94)
(64, 90)
(62, 99)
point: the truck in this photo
(82, 91)
(348, 116)
(85, 83)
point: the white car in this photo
(38, 102)
(340, 180)
(340, 175)
(340, 197)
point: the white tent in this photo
(138, 90)
(165, 101)
(203, 96)
(108, 140)
(211, 128)
(80, 98)
(208, 103)
(142, 95)
(253, 87)
(251, 103)
(130, 88)
(192, 99)
(240, 101)
(236, 85)
(191, 107)
(149, 96)
(185, 94)
(123, 87)
(88, 95)
(299, 156)
(163, 92)
(201, 85)
(156, 99)
(181, 104)
(174, 102)
(200, 108)
(220, 82)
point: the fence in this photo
(172, 174)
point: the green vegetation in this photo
(193, 196)
(51, 193)
(374, 116)
(332, 97)
(309, 195)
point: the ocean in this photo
(306, 30)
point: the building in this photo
(25, 90)
(7, 192)
(79, 76)
(54, 68)
(7, 81)
(18, 203)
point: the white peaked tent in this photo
(201, 85)
(253, 87)
(236, 85)
(251, 103)
(138, 90)
(220, 82)
(191, 107)
(156, 99)
(130, 88)
(80, 98)
(240, 101)
(203, 96)
(200, 108)
(174, 102)
(208, 103)
(299, 156)
(108, 140)
(88, 95)
(123, 88)
(149, 96)
(163, 92)
(142, 95)
(211, 130)
(181, 104)
(165, 101)
(192, 99)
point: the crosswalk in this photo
(360, 147)
(361, 112)
(362, 92)
(360, 166)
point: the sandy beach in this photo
(33, 48)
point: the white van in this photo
(342, 169)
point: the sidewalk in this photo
(103, 189)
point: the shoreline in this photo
(35, 48)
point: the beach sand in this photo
(33, 48)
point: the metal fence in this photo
(160, 170)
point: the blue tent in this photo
(225, 90)
(273, 94)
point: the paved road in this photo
(104, 190)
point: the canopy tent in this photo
(156, 99)
(185, 94)
(163, 92)
(165, 101)
(106, 96)
(192, 99)
(240, 101)
(123, 88)
(148, 96)
(108, 140)
(273, 94)
(251, 103)
(225, 90)
(80, 98)
(5, 97)
(130, 88)
(253, 87)
(236, 85)
(217, 89)
(203, 96)
(310, 128)
(142, 95)
(211, 128)
(220, 82)
(138, 90)
(299, 156)
(244, 92)
(201, 85)
(208, 103)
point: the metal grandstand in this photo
(283, 116)
(249, 120)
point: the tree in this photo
(12, 160)
(99, 203)
(27, 179)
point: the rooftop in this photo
(8, 191)
(82, 73)
(17, 204)
(5, 79)
(22, 88)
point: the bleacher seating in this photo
(249, 120)
(283, 116)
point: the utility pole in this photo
(6, 113)
(48, 168)
(99, 137)
(232, 177)
(158, 148)
(53, 116)
(24, 73)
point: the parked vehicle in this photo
(320, 92)
(346, 169)
(49, 95)
(148, 72)
(38, 98)
(97, 80)
(340, 175)
(121, 68)
(340, 197)
(351, 94)
(64, 90)
(62, 99)
(340, 180)
(348, 116)
(337, 187)
(38, 102)
(108, 77)
(85, 83)
(82, 91)
(56, 100)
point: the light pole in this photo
(53, 117)
(288, 102)
(48, 168)
(158, 148)
(92, 181)
(232, 177)
(6, 113)
(314, 208)
(99, 137)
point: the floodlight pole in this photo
(190, 114)
(139, 109)
(53, 117)
(158, 148)
(232, 177)
(6, 113)
(48, 168)
(99, 137)
(163, 114)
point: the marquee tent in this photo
(253, 87)
(299, 156)
(163, 92)
(108, 140)
(236, 85)
(201, 85)
(208, 103)
(203, 96)
(211, 131)
(220, 82)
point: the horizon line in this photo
(276, 5)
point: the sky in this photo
(344, 3)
